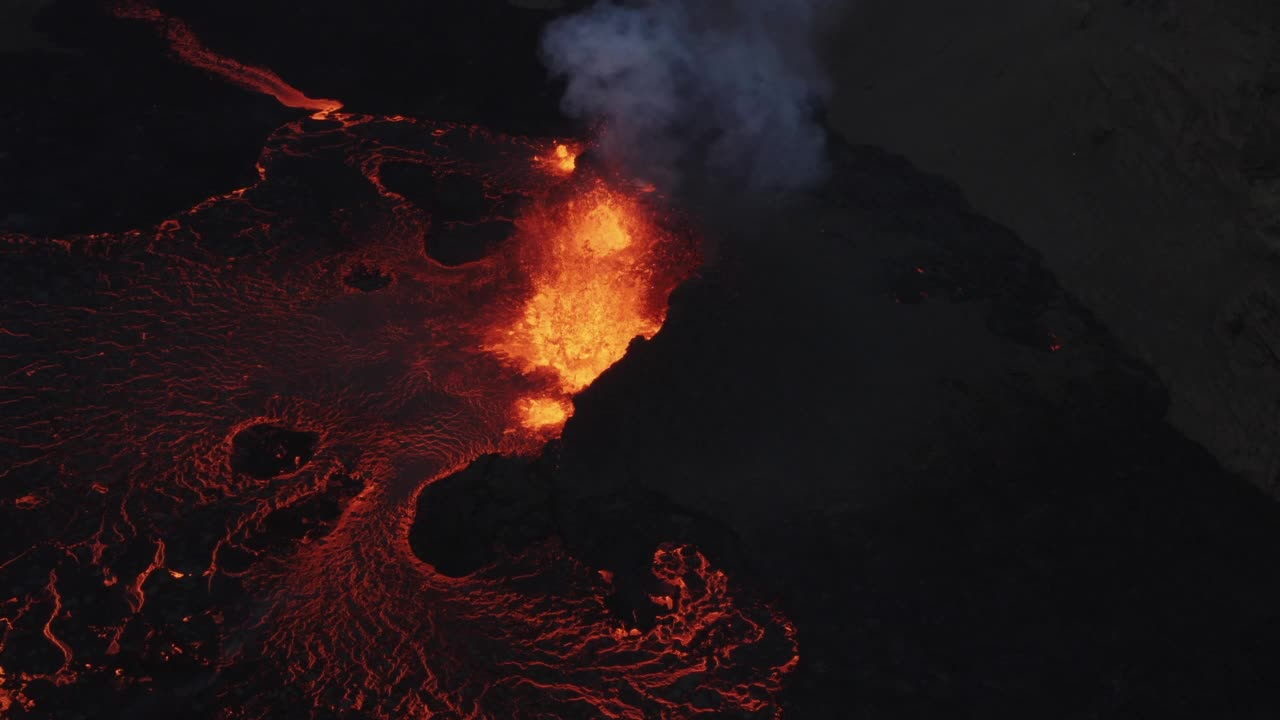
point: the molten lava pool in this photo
(261, 386)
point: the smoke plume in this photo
(725, 86)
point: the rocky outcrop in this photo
(1135, 144)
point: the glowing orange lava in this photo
(563, 158)
(566, 160)
(544, 412)
(593, 289)
(193, 52)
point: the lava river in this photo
(215, 431)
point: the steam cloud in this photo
(725, 85)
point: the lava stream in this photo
(193, 52)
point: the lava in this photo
(67, 655)
(563, 159)
(193, 52)
(544, 412)
(594, 287)
(256, 390)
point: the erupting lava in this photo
(216, 431)
(599, 280)
(563, 159)
(594, 290)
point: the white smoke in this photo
(724, 85)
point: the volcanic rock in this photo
(460, 243)
(453, 197)
(497, 504)
(366, 278)
(962, 513)
(264, 451)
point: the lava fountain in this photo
(592, 288)
(599, 280)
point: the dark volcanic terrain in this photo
(875, 409)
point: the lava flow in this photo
(216, 431)
(192, 52)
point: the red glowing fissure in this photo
(225, 318)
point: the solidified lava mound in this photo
(468, 520)
(455, 244)
(450, 197)
(265, 451)
(469, 220)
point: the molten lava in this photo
(193, 52)
(590, 261)
(563, 159)
(540, 413)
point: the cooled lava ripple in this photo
(215, 432)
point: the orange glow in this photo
(193, 52)
(566, 160)
(593, 291)
(5, 702)
(29, 502)
(563, 159)
(544, 413)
